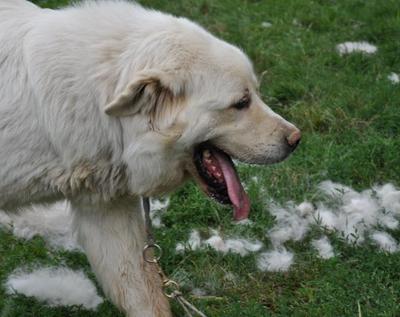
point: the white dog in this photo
(106, 102)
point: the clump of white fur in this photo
(266, 24)
(218, 243)
(199, 292)
(52, 222)
(5, 221)
(291, 223)
(354, 47)
(237, 245)
(244, 222)
(278, 260)
(194, 243)
(394, 78)
(56, 287)
(324, 247)
(385, 241)
(157, 207)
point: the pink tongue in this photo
(237, 195)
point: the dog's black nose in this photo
(294, 139)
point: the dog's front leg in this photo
(113, 236)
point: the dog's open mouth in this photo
(219, 179)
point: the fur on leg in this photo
(113, 237)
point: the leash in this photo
(152, 253)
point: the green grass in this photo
(350, 117)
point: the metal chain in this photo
(171, 288)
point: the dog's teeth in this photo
(213, 168)
(206, 154)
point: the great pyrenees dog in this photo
(106, 102)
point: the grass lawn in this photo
(349, 113)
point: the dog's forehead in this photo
(231, 60)
(225, 68)
(201, 53)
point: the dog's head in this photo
(189, 110)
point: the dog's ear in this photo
(145, 92)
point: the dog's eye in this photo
(242, 103)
